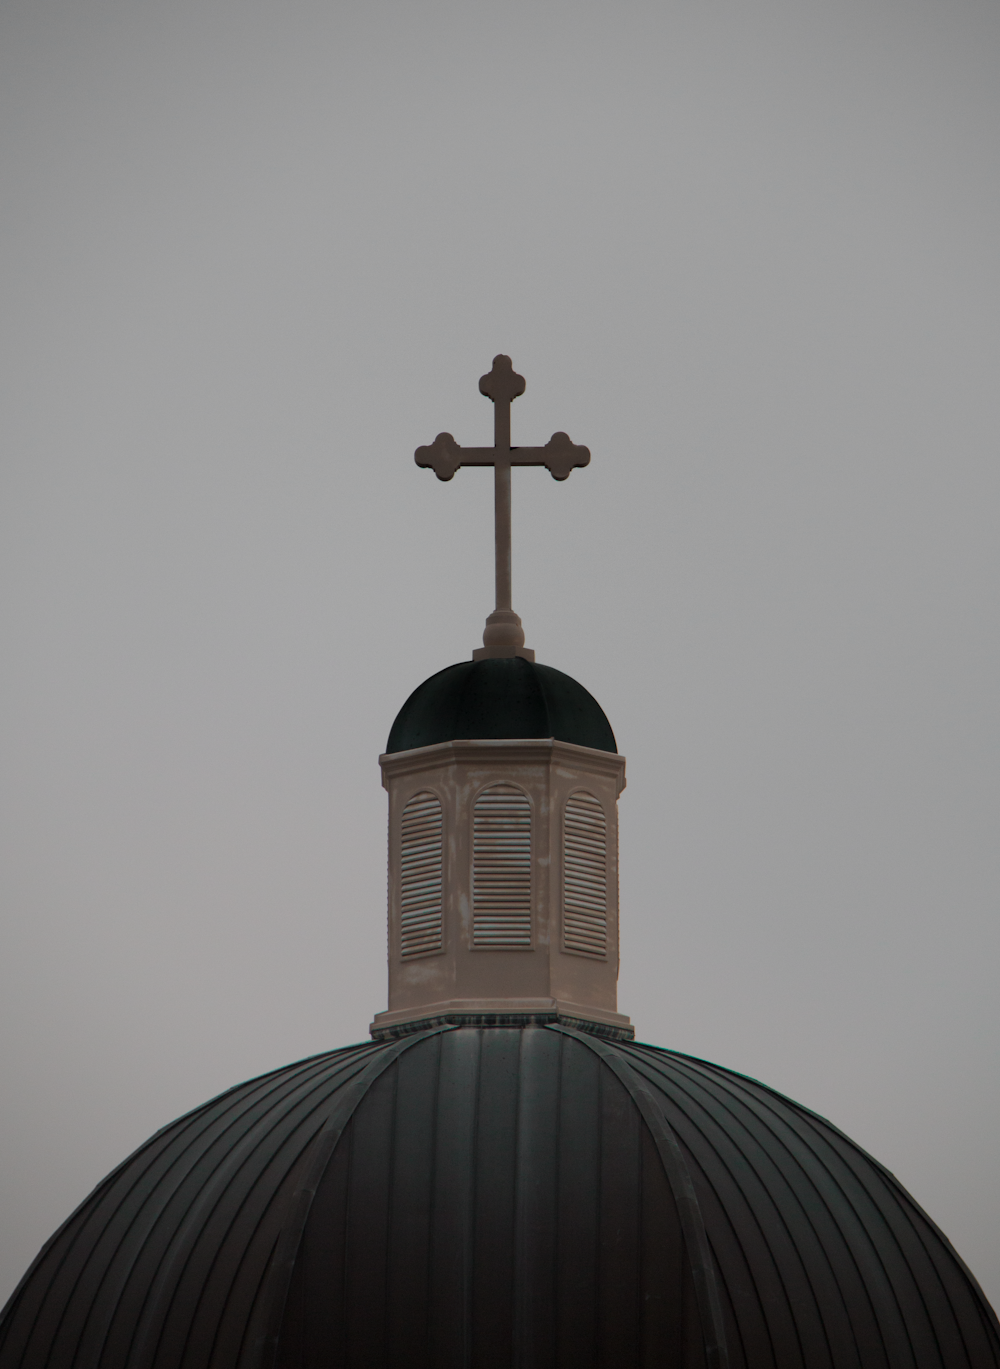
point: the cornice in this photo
(537, 750)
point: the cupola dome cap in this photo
(502, 697)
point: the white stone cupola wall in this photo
(503, 885)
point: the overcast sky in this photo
(253, 254)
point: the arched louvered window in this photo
(420, 879)
(501, 868)
(585, 876)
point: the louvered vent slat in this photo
(501, 868)
(420, 864)
(585, 876)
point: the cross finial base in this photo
(503, 636)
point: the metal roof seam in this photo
(906, 1204)
(283, 1262)
(863, 1169)
(845, 1300)
(332, 1088)
(976, 1295)
(234, 1114)
(811, 1135)
(560, 1065)
(158, 1317)
(253, 1320)
(207, 1194)
(689, 1210)
(435, 1104)
(80, 1213)
(109, 1219)
(394, 1071)
(465, 1049)
(815, 1129)
(792, 1255)
(471, 1228)
(245, 1252)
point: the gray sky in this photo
(253, 254)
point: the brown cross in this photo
(444, 456)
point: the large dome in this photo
(503, 697)
(499, 1197)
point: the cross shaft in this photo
(503, 635)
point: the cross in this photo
(503, 635)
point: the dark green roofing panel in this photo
(480, 1197)
(504, 697)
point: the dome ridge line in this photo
(704, 1083)
(92, 1218)
(189, 1124)
(296, 1089)
(688, 1208)
(722, 1076)
(764, 1146)
(266, 1323)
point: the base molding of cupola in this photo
(503, 1012)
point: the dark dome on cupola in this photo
(502, 697)
(479, 1197)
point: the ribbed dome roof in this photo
(503, 697)
(496, 1197)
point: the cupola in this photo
(503, 779)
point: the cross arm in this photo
(559, 455)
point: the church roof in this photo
(506, 696)
(468, 1196)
